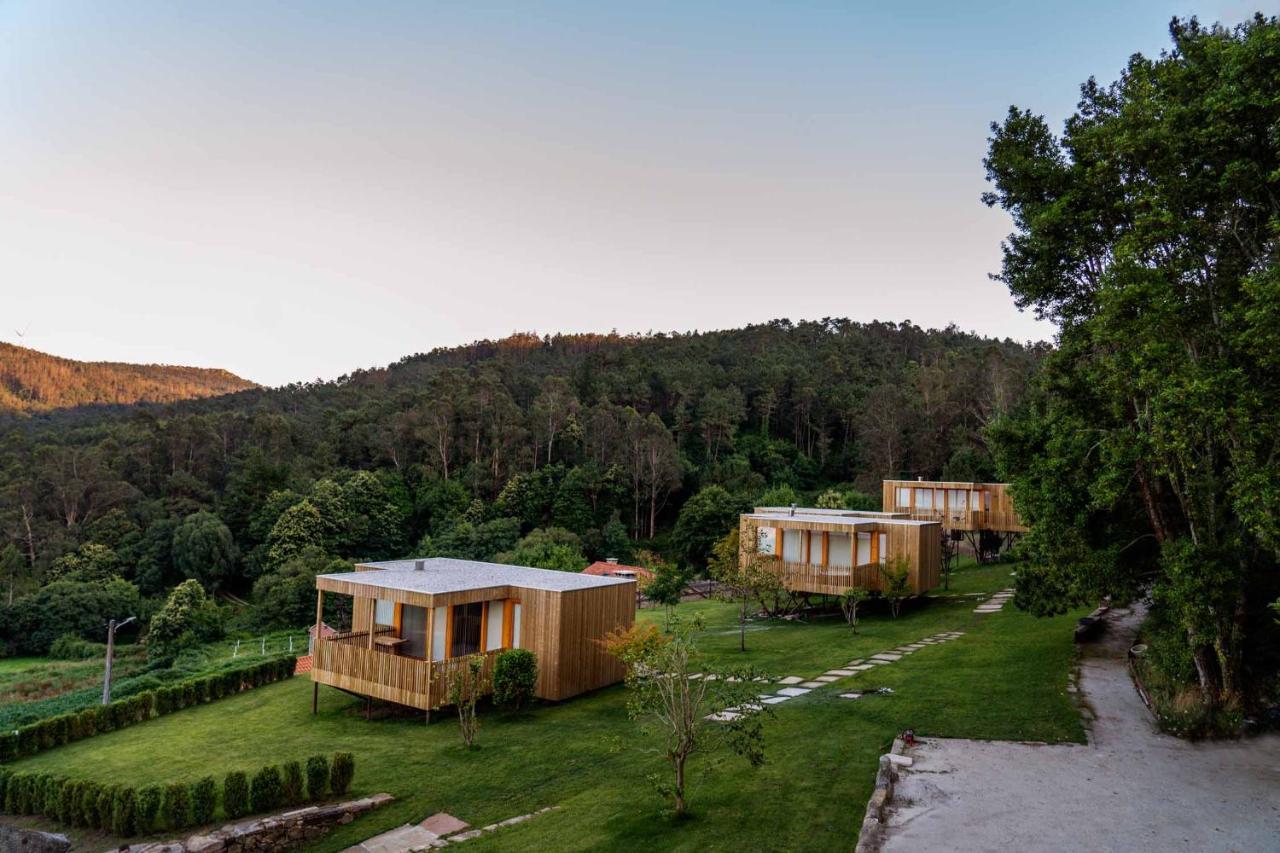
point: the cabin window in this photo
(975, 500)
(815, 547)
(413, 628)
(864, 548)
(384, 612)
(884, 547)
(904, 497)
(766, 540)
(440, 623)
(493, 625)
(956, 497)
(515, 625)
(793, 546)
(924, 498)
(466, 629)
(839, 551)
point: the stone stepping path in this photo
(995, 603)
(795, 685)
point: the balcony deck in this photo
(345, 661)
(827, 580)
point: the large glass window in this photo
(884, 547)
(839, 553)
(766, 540)
(904, 497)
(956, 497)
(924, 498)
(793, 546)
(384, 612)
(466, 629)
(493, 625)
(864, 548)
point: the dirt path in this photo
(1131, 788)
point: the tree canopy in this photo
(1146, 454)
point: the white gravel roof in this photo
(825, 517)
(443, 575)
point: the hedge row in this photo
(68, 728)
(124, 811)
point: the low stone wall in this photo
(871, 836)
(276, 832)
(14, 839)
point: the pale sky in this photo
(296, 190)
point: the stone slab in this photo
(827, 679)
(724, 716)
(863, 667)
(840, 673)
(793, 691)
(443, 823)
(886, 656)
(774, 700)
(790, 679)
(850, 695)
(812, 684)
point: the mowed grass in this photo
(1005, 679)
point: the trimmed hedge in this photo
(515, 675)
(125, 811)
(68, 728)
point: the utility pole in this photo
(111, 645)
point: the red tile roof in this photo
(605, 569)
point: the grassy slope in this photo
(1005, 679)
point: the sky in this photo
(292, 191)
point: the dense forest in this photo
(542, 450)
(32, 381)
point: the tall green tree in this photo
(204, 550)
(1149, 231)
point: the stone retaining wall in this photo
(871, 835)
(276, 832)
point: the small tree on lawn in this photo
(743, 573)
(663, 694)
(849, 602)
(666, 587)
(464, 693)
(897, 584)
(949, 554)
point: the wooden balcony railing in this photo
(346, 662)
(830, 580)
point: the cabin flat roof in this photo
(965, 483)
(849, 518)
(441, 575)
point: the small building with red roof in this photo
(613, 569)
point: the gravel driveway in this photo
(1131, 788)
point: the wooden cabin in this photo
(829, 551)
(415, 622)
(963, 507)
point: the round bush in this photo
(267, 789)
(515, 674)
(235, 795)
(317, 777)
(342, 772)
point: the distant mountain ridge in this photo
(33, 381)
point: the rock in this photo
(901, 760)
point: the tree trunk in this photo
(679, 788)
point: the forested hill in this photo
(32, 381)
(569, 447)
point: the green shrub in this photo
(8, 747)
(86, 802)
(33, 803)
(317, 777)
(67, 802)
(293, 790)
(175, 808)
(13, 794)
(149, 808)
(266, 790)
(235, 795)
(71, 647)
(5, 775)
(27, 744)
(52, 797)
(342, 771)
(204, 800)
(103, 719)
(515, 674)
(124, 813)
(105, 807)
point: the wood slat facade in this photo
(955, 505)
(915, 543)
(563, 628)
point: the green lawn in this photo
(1006, 678)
